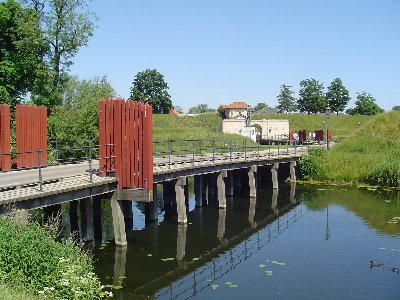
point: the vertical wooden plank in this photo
(102, 137)
(109, 149)
(135, 145)
(117, 140)
(140, 136)
(5, 134)
(131, 143)
(123, 145)
(148, 147)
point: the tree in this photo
(199, 109)
(150, 87)
(396, 108)
(20, 61)
(287, 103)
(77, 116)
(260, 106)
(365, 105)
(66, 26)
(311, 96)
(337, 96)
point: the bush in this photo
(30, 257)
(386, 173)
(312, 165)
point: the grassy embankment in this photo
(370, 155)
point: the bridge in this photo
(127, 163)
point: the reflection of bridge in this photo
(192, 276)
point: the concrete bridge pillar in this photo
(180, 200)
(186, 191)
(252, 181)
(221, 189)
(86, 207)
(237, 180)
(151, 208)
(198, 190)
(293, 171)
(274, 173)
(118, 221)
(212, 188)
(169, 198)
(97, 218)
(229, 183)
(73, 218)
(181, 242)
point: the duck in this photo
(396, 269)
(375, 264)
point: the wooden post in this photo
(293, 171)
(118, 221)
(198, 190)
(221, 189)
(252, 181)
(180, 200)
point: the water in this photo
(310, 243)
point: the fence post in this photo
(213, 147)
(230, 150)
(193, 150)
(90, 164)
(39, 152)
(169, 153)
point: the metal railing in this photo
(170, 152)
(55, 157)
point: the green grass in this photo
(365, 149)
(7, 293)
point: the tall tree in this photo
(337, 96)
(396, 108)
(365, 105)
(150, 87)
(77, 116)
(20, 50)
(286, 101)
(311, 96)
(66, 26)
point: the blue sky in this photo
(216, 52)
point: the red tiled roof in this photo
(173, 112)
(237, 105)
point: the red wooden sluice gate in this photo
(126, 142)
(5, 138)
(31, 135)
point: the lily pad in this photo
(167, 259)
(261, 265)
(228, 283)
(117, 287)
(149, 255)
(234, 285)
(195, 258)
(121, 277)
(214, 286)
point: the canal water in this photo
(300, 243)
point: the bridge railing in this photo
(86, 156)
(196, 150)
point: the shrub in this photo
(312, 165)
(386, 173)
(30, 257)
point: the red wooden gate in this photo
(126, 142)
(5, 157)
(31, 135)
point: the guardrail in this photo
(168, 152)
(80, 154)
